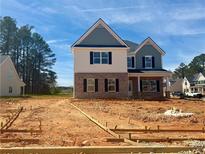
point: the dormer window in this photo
(148, 62)
(131, 62)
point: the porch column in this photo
(167, 84)
(167, 93)
(138, 83)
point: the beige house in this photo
(10, 83)
(180, 85)
(106, 66)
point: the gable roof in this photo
(99, 35)
(197, 76)
(150, 41)
(2, 58)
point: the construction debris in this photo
(177, 113)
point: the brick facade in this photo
(146, 95)
(123, 85)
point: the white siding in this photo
(82, 61)
(9, 78)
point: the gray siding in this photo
(99, 37)
(148, 50)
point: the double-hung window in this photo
(90, 85)
(111, 85)
(148, 61)
(100, 57)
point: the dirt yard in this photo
(63, 125)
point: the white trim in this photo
(100, 21)
(150, 41)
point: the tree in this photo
(181, 71)
(197, 65)
(32, 56)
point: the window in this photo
(105, 57)
(130, 62)
(111, 85)
(100, 58)
(10, 89)
(149, 85)
(148, 61)
(96, 57)
(90, 85)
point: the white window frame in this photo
(101, 57)
(90, 85)
(131, 62)
(148, 56)
(149, 85)
(113, 84)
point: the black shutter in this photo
(117, 85)
(133, 62)
(143, 62)
(110, 57)
(106, 85)
(158, 86)
(153, 62)
(96, 85)
(85, 85)
(141, 90)
(91, 57)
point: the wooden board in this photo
(94, 150)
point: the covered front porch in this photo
(149, 84)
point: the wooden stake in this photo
(130, 136)
(158, 127)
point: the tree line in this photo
(197, 65)
(31, 55)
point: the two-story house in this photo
(106, 66)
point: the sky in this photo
(177, 26)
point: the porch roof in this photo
(149, 72)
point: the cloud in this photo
(54, 41)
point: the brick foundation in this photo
(123, 85)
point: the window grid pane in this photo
(90, 85)
(111, 85)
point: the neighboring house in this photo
(105, 66)
(198, 83)
(10, 83)
(180, 85)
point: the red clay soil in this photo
(62, 125)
